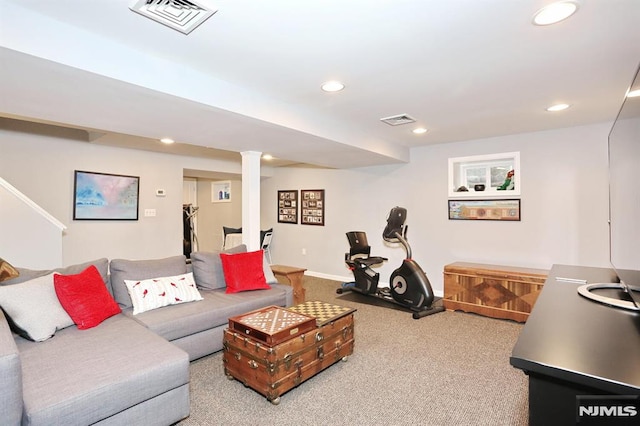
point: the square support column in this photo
(251, 199)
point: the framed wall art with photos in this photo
(505, 210)
(288, 206)
(104, 196)
(312, 208)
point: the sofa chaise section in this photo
(107, 374)
(10, 376)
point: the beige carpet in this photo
(450, 368)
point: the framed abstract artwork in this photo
(104, 196)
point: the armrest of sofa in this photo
(10, 376)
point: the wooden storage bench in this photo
(495, 291)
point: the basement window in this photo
(481, 176)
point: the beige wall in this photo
(38, 229)
(42, 167)
(564, 208)
(213, 216)
(564, 203)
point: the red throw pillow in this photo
(243, 271)
(85, 297)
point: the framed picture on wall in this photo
(104, 196)
(506, 210)
(312, 209)
(288, 206)
(221, 192)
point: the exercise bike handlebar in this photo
(396, 231)
(405, 244)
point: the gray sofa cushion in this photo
(83, 376)
(29, 274)
(122, 269)
(176, 321)
(207, 267)
(10, 377)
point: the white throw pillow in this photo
(163, 291)
(34, 308)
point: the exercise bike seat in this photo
(369, 261)
(360, 250)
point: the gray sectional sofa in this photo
(130, 369)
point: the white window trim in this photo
(455, 181)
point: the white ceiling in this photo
(249, 77)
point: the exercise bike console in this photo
(408, 286)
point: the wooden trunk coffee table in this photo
(274, 369)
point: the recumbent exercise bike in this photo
(409, 286)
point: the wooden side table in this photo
(294, 276)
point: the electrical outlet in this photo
(304, 251)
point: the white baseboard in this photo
(344, 279)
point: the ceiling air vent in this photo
(397, 120)
(181, 15)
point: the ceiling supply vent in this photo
(397, 120)
(181, 15)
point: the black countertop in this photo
(571, 338)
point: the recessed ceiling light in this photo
(555, 12)
(633, 93)
(558, 107)
(419, 130)
(167, 141)
(332, 86)
(267, 157)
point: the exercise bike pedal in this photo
(384, 291)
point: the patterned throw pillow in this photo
(163, 291)
(7, 271)
(136, 270)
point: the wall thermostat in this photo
(160, 193)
